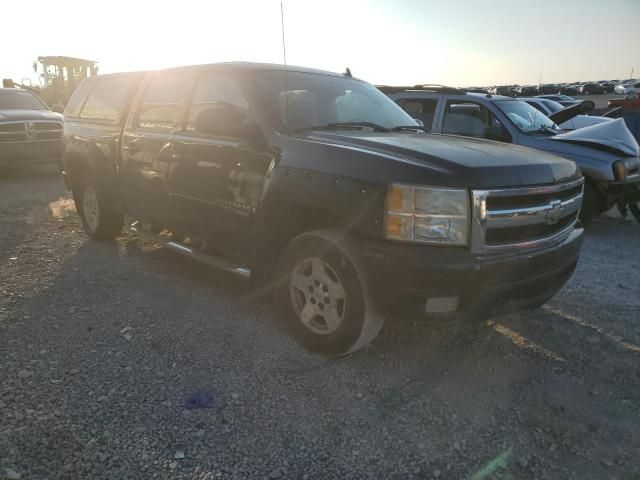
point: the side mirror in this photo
(419, 122)
(224, 121)
(56, 107)
(497, 133)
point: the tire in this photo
(592, 204)
(323, 294)
(100, 218)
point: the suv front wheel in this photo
(323, 293)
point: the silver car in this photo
(607, 154)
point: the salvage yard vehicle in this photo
(628, 86)
(30, 133)
(319, 189)
(630, 101)
(607, 154)
(58, 78)
(550, 108)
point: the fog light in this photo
(442, 304)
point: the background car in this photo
(563, 100)
(548, 88)
(549, 107)
(507, 90)
(526, 91)
(607, 85)
(30, 133)
(630, 101)
(591, 89)
(628, 87)
(568, 89)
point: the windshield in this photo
(20, 100)
(315, 100)
(525, 117)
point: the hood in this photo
(20, 114)
(462, 161)
(568, 113)
(612, 136)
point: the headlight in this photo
(425, 214)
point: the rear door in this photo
(146, 144)
(216, 178)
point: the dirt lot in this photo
(101, 345)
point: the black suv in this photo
(317, 187)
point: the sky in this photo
(452, 42)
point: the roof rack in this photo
(424, 88)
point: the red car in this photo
(630, 101)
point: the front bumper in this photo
(405, 277)
(30, 153)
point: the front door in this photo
(216, 176)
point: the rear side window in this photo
(214, 90)
(107, 100)
(163, 99)
(77, 99)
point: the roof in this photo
(420, 88)
(251, 66)
(65, 60)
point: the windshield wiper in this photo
(402, 128)
(340, 125)
(544, 128)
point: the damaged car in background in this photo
(607, 153)
(574, 114)
(322, 191)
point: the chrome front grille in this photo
(30, 131)
(529, 217)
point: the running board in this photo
(216, 262)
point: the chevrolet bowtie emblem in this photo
(554, 213)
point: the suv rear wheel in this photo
(100, 218)
(323, 294)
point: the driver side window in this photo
(217, 91)
(468, 119)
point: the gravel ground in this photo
(101, 345)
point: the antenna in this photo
(284, 58)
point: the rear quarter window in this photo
(108, 99)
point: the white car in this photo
(549, 107)
(628, 87)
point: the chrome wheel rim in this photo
(90, 207)
(318, 296)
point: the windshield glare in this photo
(314, 100)
(18, 100)
(527, 118)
